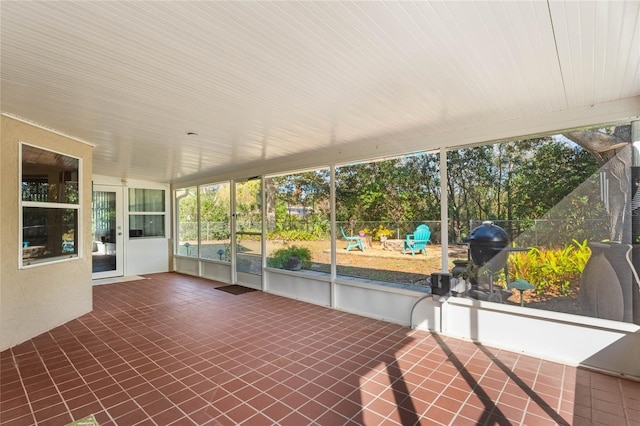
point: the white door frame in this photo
(119, 234)
(237, 277)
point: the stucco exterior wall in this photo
(37, 299)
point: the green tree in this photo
(308, 190)
(553, 171)
(248, 205)
(516, 181)
(394, 191)
(214, 203)
(470, 184)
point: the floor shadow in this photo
(553, 414)
(490, 409)
(400, 390)
(596, 392)
(378, 359)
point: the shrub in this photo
(378, 232)
(281, 257)
(291, 235)
(383, 232)
(552, 271)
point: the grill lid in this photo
(485, 245)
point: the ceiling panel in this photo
(599, 49)
(267, 81)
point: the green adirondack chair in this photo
(352, 241)
(418, 240)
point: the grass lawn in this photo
(375, 263)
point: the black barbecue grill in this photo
(487, 248)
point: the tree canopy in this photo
(516, 182)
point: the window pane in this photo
(187, 205)
(104, 216)
(248, 211)
(48, 233)
(146, 225)
(48, 176)
(379, 209)
(146, 200)
(215, 231)
(298, 221)
(557, 203)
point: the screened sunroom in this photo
(455, 176)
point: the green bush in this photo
(291, 235)
(380, 231)
(281, 257)
(552, 271)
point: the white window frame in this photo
(49, 205)
(138, 213)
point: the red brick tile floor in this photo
(173, 350)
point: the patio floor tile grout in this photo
(172, 349)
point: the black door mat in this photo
(236, 289)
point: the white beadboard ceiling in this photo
(271, 81)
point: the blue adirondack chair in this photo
(352, 241)
(418, 240)
(67, 247)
